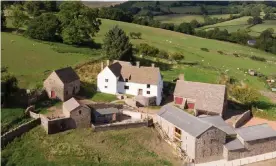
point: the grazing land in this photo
(180, 18)
(138, 146)
(257, 29)
(230, 26)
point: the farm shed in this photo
(106, 115)
(62, 84)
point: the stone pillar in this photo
(138, 64)
(152, 65)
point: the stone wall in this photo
(57, 125)
(71, 89)
(253, 148)
(119, 126)
(34, 115)
(81, 116)
(18, 131)
(105, 105)
(246, 116)
(209, 145)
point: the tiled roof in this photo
(67, 75)
(208, 97)
(142, 75)
(256, 132)
(189, 123)
(219, 123)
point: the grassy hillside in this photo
(138, 146)
(180, 18)
(230, 26)
(190, 46)
(257, 29)
(31, 60)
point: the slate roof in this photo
(256, 132)
(234, 145)
(67, 75)
(71, 104)
(106, 111)
(189, 123)
(208, 97)
(144, 75)
(218, 122)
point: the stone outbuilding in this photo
(62, 84)
(106, 115)
(79, 113)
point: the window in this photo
(66, 92)
(106, 80)
(80, 112)
(126, 80)
(148, 85)
(105, 87)
(126, 87)
(148, 92)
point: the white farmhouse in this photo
(124, 78)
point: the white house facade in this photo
(124, 78)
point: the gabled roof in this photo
(67, 75)
(219, 123)
(71, 104)
(144, 75)
(234, 145)
(189, 123)
(256, 132)
(208, 97)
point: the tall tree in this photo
(33, 7)
(44, 27)
(3, 18)
(19, 18)
(117, 45)
(79, 23)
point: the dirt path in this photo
(256, 121)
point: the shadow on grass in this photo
(148, 62)
(87, 90)
(264, 105)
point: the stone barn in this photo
(106, 115)
(62, 84)
(79, 113)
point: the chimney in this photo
(152, 65)
(138, 64)
(181, 77)
(107, 62)
(102, 65)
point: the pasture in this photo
(138, 146)
(230, 26)
(180, 18)
(265, 25)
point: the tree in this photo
(19, 17)
(147, 50)
(255, 20)
(8, 83)
(176, 56)
(117, 45)
(33, 7)
(50, 6)
(194, 23)
(44, 27)
(135, 35)
(79, 23)
(245, 94)
(3, 18)
(185, 28)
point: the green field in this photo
(138, 146)
(265, 25)
(230, 26)
(180, 18)
(32, 60)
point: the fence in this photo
(18, 131)
(119, 126)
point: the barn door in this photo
(53, 94)
(178, 100)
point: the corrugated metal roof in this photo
(189, 123)
(256, 132)
(105, 111)
(71, 104)
(208, 97)
(218, 122)
(234, 145)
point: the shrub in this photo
(220, 52)
(163, 54)
(148, 50)
(245, 94)
(258, 58)
(204, 49)
(135, 35)
(176, 56)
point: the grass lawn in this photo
(257, 29)
(138, 146)
(180, 18)
(11, 118)
(103, 97)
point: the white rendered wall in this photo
(107, 87)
